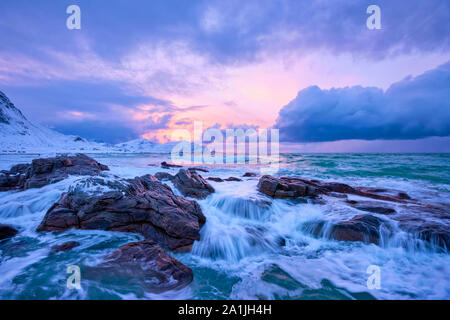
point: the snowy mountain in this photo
(19, 135)
(144, 146)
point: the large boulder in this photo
(191, 184)
(142, 264)
(7, 232)
(293, 187)
(42, 172)
(142, 205)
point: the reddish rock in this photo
(233, 179)
(250, 174)
(286, 187)
(7, 232)
(363, 228)
(65, 246)
(289, 187)
(141, 205)
(166, 165)
(42, 172)
(144, 264)
(191, 184)
(162, 176)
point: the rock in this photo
(166, 165)
(428, 223)
(275, 275)
(403, 195)
(372, 206)
(215, 179)
(363, 228)
(42, 172)
(198, 169)
(379, 210)
(161, 176)
(142, 264)
(286, 187)
(65, 246)
(232, 179)
(142, 205)
(7, 232)
(289, 187)
(250, 174)
(191, 184)
(336, 187)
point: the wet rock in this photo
(142, 205)
(363, 228)
(7, 232)
(198, 169)
(286, 187)
(233, 179)
(162, 176)
(373, 207)
(403, 195)
(250, 174)
(166, 165)
(65, 246)
(215, 179)
(336, 187)
(329, 291)
(289, 187)
(143, 264)
(429, 223)
(275, 275)
(191, 184)
(379, 210)
(42, 172)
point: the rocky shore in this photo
(168, 222)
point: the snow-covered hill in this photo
(19, 135)
(144, 146)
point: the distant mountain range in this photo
(19, 135)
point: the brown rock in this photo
(42, 172)
(286, 187)
(7, 232)
(166, 165)
(65, 246)
(363, 228)
(191, 184)
(144, 264)
(141, 205)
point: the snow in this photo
(19, 135)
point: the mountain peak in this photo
(7, 109)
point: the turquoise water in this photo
(251, 247)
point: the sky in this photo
(312, 69)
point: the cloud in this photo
(410, 109)
(103, 111)
(230, 31)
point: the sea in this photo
(252, 246)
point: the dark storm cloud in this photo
(410, 109)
